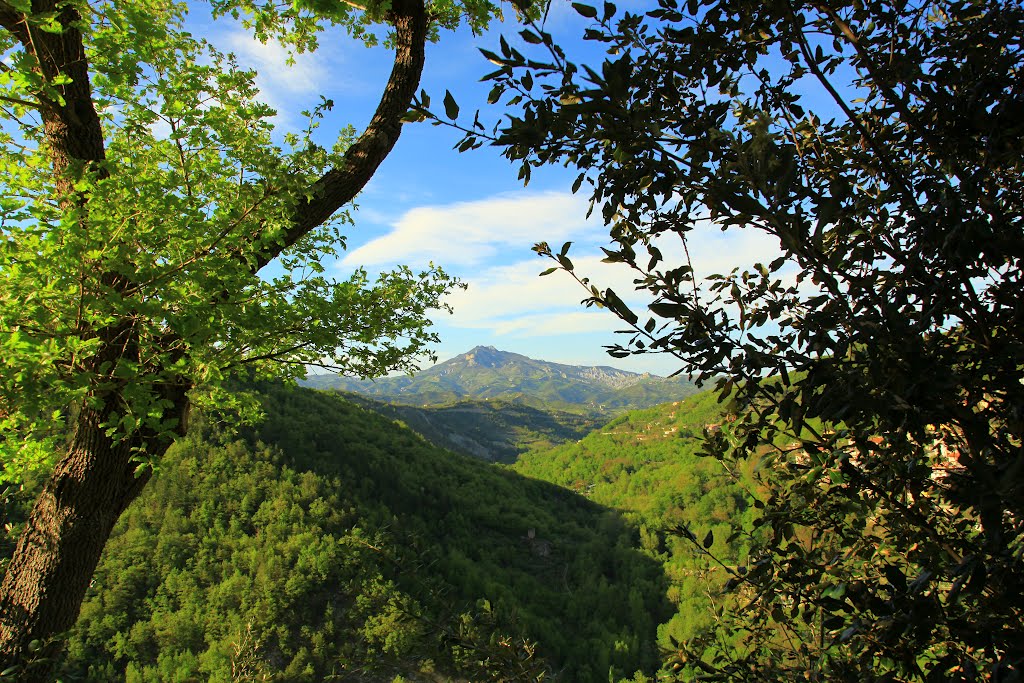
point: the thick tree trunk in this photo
(91, 485)
(67, 529)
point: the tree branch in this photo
(902, 183)
(340, 185)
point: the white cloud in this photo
(498, 296)
(553, 324)
(715, 251)
(474, 232)
(280, 83)
(512, 300)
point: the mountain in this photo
(487, 373)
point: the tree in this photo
(143, 192)
(875, 366)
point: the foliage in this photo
(880, 356)
(332, 542)
(143, 191)
(192, 191)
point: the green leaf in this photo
(578, 182)
(585, 10)
(451, 108)
(668, 310)
(530, 37)
(493, 58)
(744, 203)
(709, 540)
(618, 306)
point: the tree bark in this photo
(72, 518)
(96, 479)
(340, 185)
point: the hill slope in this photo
(487, 373)
(647, 464)
(331, 543)
(496, 431)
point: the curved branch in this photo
(340, 185)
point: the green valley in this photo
(497, 405)
(330, 543)
(333, 543)
(648, 465)
(496, 430)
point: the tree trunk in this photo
(57, 553)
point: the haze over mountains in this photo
(488, 373)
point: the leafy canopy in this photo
(875, 366)
(163, 237)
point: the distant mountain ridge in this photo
(485, 372)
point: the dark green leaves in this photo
(451, 108)
(668, 310)
(585, 10)
(618, 307)
(863, 334)
(530, 37)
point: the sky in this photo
(467, 212)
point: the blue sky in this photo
(467, 212)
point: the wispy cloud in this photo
(557, 324)
(476, 232)
(287, 87)
(478, 239)
(714, 251)
(512, 300)
(499, 294)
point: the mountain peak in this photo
(485, 372)
(487, 357)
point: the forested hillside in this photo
(647, 464)
(495, 430)
(332, 544)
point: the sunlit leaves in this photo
(166, 235)
(301, 23)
